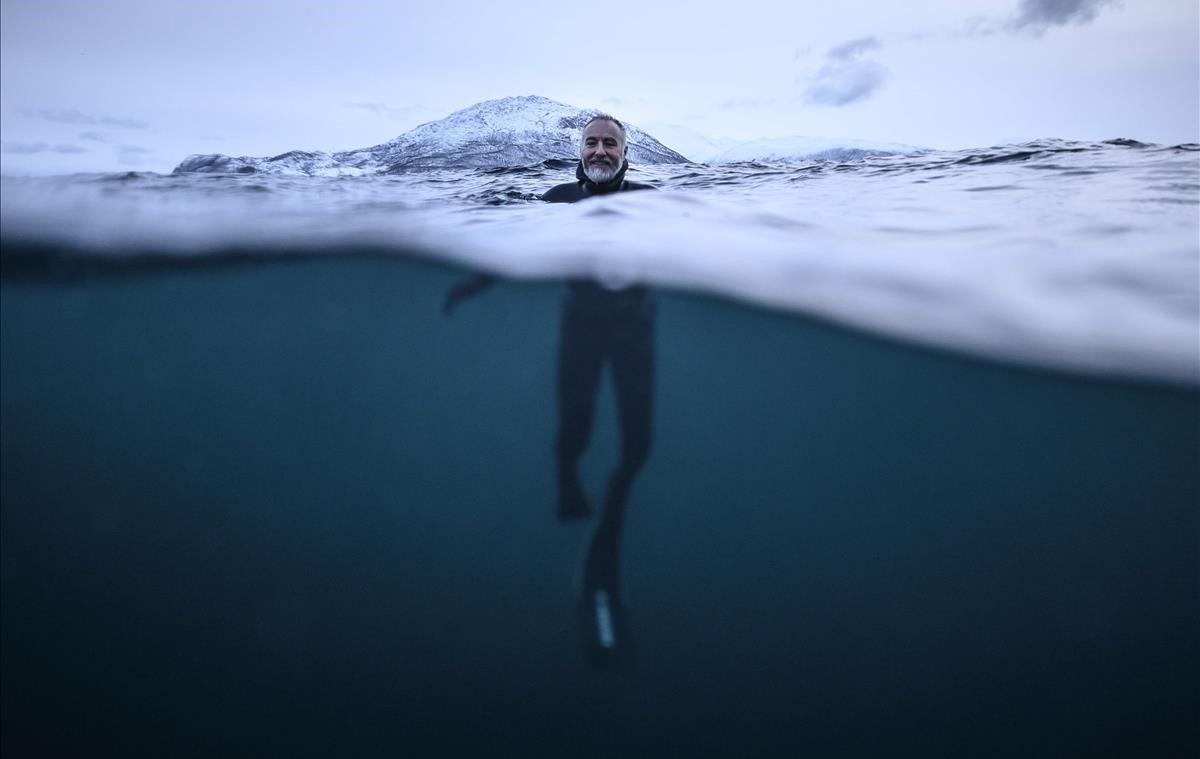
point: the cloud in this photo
(1039, 15)
(845, 78)
(75, 116)
(848, 51)
(93, 137)
(383, 109)
(1034, 17)
(30, 148)
(24, 148)
(978, 26)
(131, 155)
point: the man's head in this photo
(602, 148)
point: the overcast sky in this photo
(140, 84)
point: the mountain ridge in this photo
(811, 149)
(511, 131)
(522, 131)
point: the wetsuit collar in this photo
(611, 185)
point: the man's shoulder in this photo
(568, 192)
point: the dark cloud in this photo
(75, 116)
(845, 78)
(1029, 17)
(1040, 15)
(24, 148)
(848, 51)
(30, 148)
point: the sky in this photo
(140, 84)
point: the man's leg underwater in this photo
(632, 356)
(631, 352)
(580, 362)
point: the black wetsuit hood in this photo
(602, 188)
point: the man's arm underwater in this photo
(467, 288)
(476, 283)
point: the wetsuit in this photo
(601, 326)
(570, 192)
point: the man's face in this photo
(602, 150)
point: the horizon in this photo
(130, 86)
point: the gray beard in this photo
(599, 173)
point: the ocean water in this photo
(1055, 254)
(924, 473)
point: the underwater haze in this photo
(923, 478)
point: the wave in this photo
(1058, 254)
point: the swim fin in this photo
(605, 620)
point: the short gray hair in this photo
(600, 116)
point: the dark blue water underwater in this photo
(288, 508)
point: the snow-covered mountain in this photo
(512, 131)
(810, 149)
(700, 148)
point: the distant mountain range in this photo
(810, 149)
(702, 149)
(520, 131)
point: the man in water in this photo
(599, 326)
